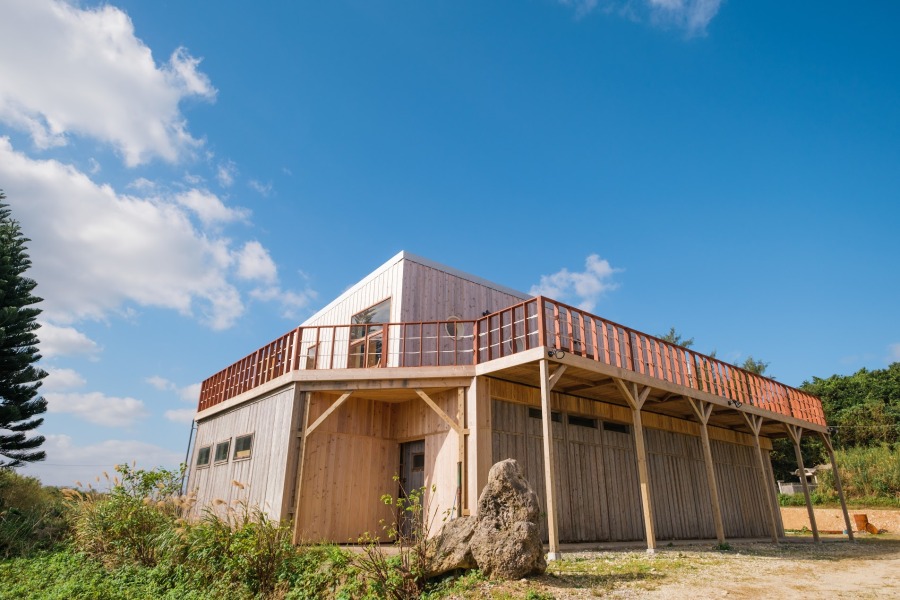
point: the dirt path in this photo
(796, 569)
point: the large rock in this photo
(503, 539)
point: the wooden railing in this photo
(537, 322)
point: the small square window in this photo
(418, 461)
(222, 451)
(242, 446)
(203, 456)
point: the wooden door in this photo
(412, 477)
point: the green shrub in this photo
(31, 515)
(130, 522)
(872, 472)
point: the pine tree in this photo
(19, 377)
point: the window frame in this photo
(200, 450)
(234, 451)
(227, 444)
(372, 343)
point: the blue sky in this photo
(197, 178)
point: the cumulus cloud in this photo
(209, 208)
(255, 264)
(188, 393)
(83, 71)
(68, 462)
(97, 408)
(64, 341)
(94, 250)
(61, 380)
(291, 302)
(264, 189)
(584, 287)
(691, 16)
(180, 415)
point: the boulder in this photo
(502, 539)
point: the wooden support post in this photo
(479, 451)
(636, 398)
(549, 462)
(297, 501)
(461, 438)
(703, 410)
(754, 422)
(796, 433)
(837, 484)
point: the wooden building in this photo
(433, 375)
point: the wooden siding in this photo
(350, 460)
(353, 456)
(597, 484)
(382, 284)
(269, 419)
(430, 294)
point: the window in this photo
(617, 427)
(453, 327)
(311, 356)
(535, 413)
(242, 446)
(203, 456)
(222, 451)
(367, 336)
(583, 421)
(418, 461)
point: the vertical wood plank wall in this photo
(354, 455)
(597, 487)
(431, 294)
(263, 474)
(349, 462)
(382, 284)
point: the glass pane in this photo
(242, 446)
(356, 360)
(380, 313)
(373, 357)
(222, 451)
(203, 456)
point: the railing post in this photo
(475, 341)
(542, 327)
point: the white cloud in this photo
(586, 286)
(94, 250)
(291, 302)
(225, 174)
(64, 341)
(61, 380)
(67, 462)
(181, 415)
(97, 408)
(264, 189)
(208, 208)
(160, 383)
(190, 393)
(255, 264)
(692, 16)
(84, 72)
(894, 352)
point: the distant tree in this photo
(863, 407)
(755, 366)
(673, 337)
(20, 379)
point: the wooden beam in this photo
(837, 483)
(461, 438)
(554, 379)
(755, 422)
(703, 410)
(297, 501)
(328, 412)
(453, 425)
(549, 463)
(636, 398)
(796, 434)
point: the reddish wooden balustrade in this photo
(530, 324)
